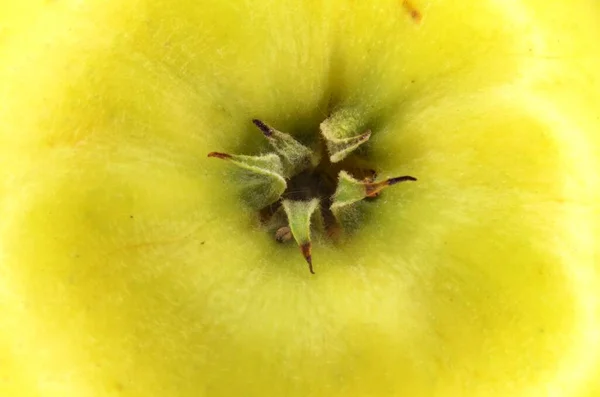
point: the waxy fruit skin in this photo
(129, 266)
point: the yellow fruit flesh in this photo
(128, 267)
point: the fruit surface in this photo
(130, 267)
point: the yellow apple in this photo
(130, 266)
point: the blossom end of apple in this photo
(297, 193)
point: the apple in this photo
(131, 264)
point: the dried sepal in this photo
(295, 156)
(341, 136)
(299, 215)
(350, 190)
(267, 172)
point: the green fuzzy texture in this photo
(295, 157)
(261, 178)
(340, 132)
(299, 214)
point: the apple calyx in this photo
(297, 188)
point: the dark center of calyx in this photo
(300, 188)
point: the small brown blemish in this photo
(219, 155)
(412, 11)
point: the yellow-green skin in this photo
(128, 267)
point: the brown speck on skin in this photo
(412, 11)
(219, 155)
(306, 252)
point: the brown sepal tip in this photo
(219, 155)
(306, 252)
(365, 135)
(372, 189)
(398, 179)
(265, 129)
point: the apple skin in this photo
(128, 266)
